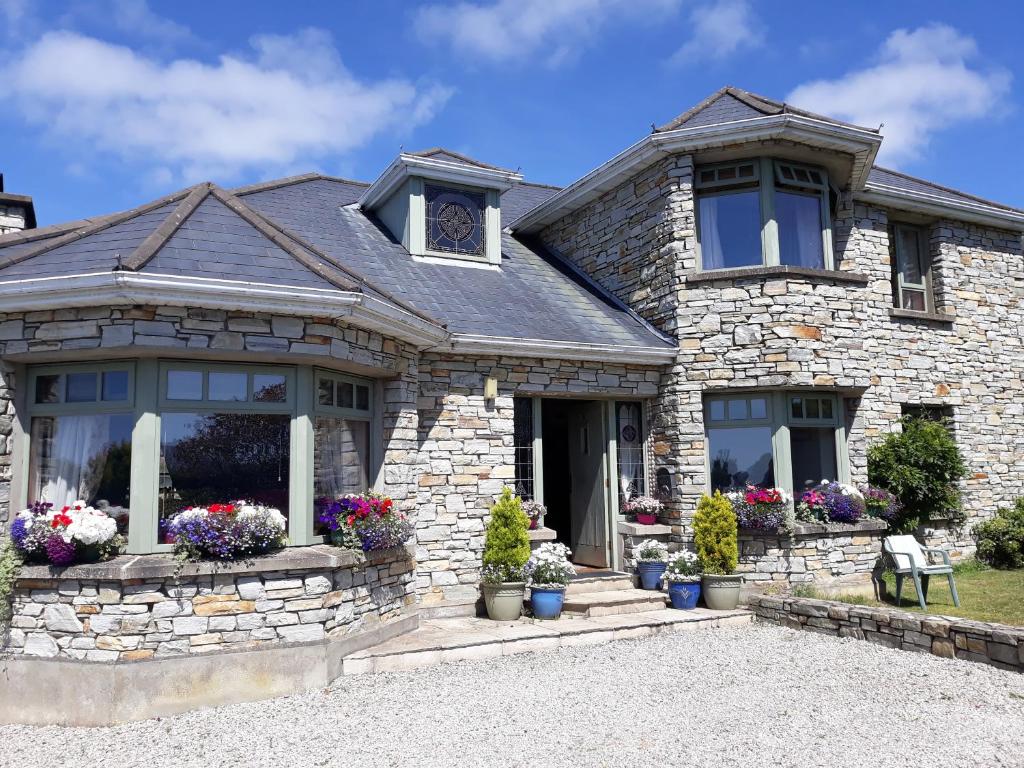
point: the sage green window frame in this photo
(923, 259)
(780, 419)
(767, 179)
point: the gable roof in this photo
(450, 156)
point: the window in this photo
(523, 446)
(629, 431)
(225, 434)
(792, 440)
(763, 212)
(80, 432)
(455, 220)
(911, 282)
(341, 437)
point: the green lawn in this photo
(986, 594)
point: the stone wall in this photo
(131, 608)
(995, 644)
(827, 555)
(12, 218)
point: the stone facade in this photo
(995, 644)
(13, 218)
(131, 609)
(827, 555)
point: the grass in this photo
(986, 594)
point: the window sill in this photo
(822, 275)
(913, 314)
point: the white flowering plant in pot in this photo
(651, 551)
(683, 567)
(549, 566)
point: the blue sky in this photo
(105, 104)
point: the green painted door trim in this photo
(538, 449)
(300, 485)
(145, 470)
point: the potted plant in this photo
(76, 533)
(683, 578)
(715, 538)
(535, 511)
(227, 531)
(765, 509)
(644, 508)
(650, 562)
(506, 550)
(365, 521)
(547, 573)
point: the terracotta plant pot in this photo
(721, 593)
(504, 601)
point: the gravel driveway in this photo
(758, 696)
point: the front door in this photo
(589, 521)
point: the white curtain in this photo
(70, 453)
(710, 240)
(341, 457)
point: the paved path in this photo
(747, 696)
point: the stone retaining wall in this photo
(134, 608)
(996, 644)
(823, 554)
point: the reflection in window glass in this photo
(811, 409)
(797, 407)
(211, 457)
(799, 223)
(737, 410)
(81, 387)
(228, 386)
(325, 391)
(730, 230)
(718, 410)
(362, 397)
(341, 457)
(758, 408)
(115, 386)
(269, 388)
(813, 451)
(84, 457)
(48, 389)
(345, 399)
(184, 385)
(739, 456)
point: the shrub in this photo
(226, 531)
(507, 544)
(1001, 539)
(715, 534)
(365, 521)
(920, 465)
(549, 565)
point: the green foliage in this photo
(715, 534)
(10, 562)
(507, 545)
(920, 465)
(1001, 539)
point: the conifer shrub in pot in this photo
(716, 541)
(506, 551)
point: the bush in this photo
(507, 545)
(715, 535)
(1001, 539)
(920, 465)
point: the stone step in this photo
(613, 602)
(603, 583)
(440, 641)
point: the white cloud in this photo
(719, 30)
(523, 30)
(922, 81)
(290, 101)
(135, 17)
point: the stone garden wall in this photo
(134, 608)
(996, 644)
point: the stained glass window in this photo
(455, 220)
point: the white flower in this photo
(88, 526)
(651, 551)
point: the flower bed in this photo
(76, 533)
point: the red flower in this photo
(60, 519)
(351, 520)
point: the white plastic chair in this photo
(909, 556)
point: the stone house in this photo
(740, 296)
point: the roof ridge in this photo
(464, 158)
(944, 188)
(156, 239)
(90, 227)
(288, 181)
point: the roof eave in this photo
(406, 165)
(464, 343)
(935, 205)
(861, 143)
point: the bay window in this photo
(791, 440)
(763, 212)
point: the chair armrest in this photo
(944, 553)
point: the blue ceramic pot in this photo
(547, 602)
(650, 574)
(684, 594)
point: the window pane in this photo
(184, 385)
(48, 389)
(739, 456)
(812, 409)
(826, 408)
(81, 388)
(630, 446)
(228, 386)
(362, 397)
(914, 300)
(730, 230)
(341, 458)
(522, 442)
(269, 388)
(215, 457)
(717, 410)
(814, 456)
(909, 256)
(758, 408)
(345, 399)
(738, 410)
(84, 457)
(115, 386)
(797, 407)
(799, 221)
(325, 391)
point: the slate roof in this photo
(913, 184)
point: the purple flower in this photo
(60, 552)
(881, 503)
(844, 505)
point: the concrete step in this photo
(613, 602)
(440, 641)
(602, 583)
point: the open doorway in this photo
(575, 442)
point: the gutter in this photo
(464, 343)
(923, 202)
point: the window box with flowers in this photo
(366, 522)
(75, 533)
(645, 509)
(762, 509)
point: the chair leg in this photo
(920, 592)
(899, 588)
(924, 586)
(952, 588)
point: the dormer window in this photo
(455, 220)
(763, 212)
